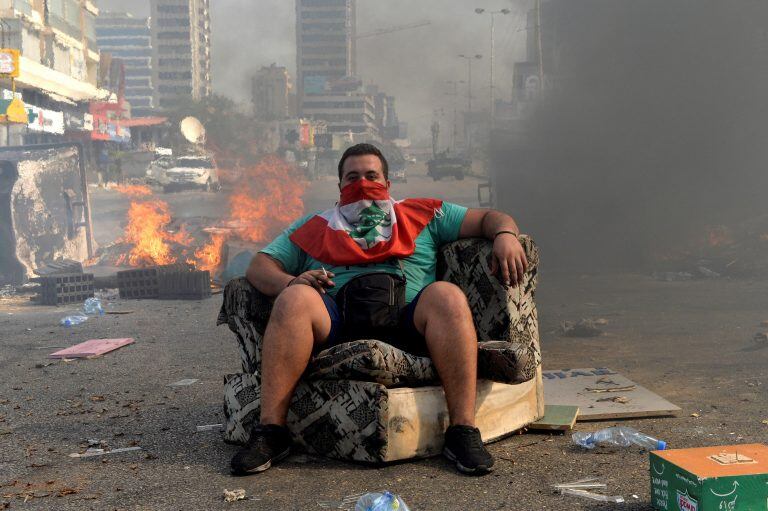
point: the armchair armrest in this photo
(500, 314)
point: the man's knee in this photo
(297, 302)
(446, 299)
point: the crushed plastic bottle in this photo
(380, 501)
(93, 306)
(73, 320)
(618, 435)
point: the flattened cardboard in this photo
(588, 388)
(726, 477)
(92, 348)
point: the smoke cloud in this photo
(656, 128)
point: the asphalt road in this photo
(688, 341)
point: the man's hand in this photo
(315, 278)
(509, 262)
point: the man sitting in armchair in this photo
(366, 269)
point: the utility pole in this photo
(493, 55)
(468, 124)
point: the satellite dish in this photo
(193, 130)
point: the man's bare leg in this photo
(299, 320)
(443, 317)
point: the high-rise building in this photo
(326, 66)
(272, 93)
(181, 50)
(129, 39)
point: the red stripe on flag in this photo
(337, 248)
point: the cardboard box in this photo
(721, 478)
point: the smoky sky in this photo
(411, 65)
(655, 129)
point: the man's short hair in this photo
(363, 150)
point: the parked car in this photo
(155, 174)
(190, 172)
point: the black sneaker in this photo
(268, 444)
(464, 446)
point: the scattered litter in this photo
(119, 313)
(635, 496)
(92, 307)
(380, 501)
(760, 337)
(706, 272)
(92, 348)
(75, 319)
(618, 399)
(234, 495)
(40, 365)
(612, 389)
(93, 451)
(7, 291)
(589, 483)
(695, 415)
(621, 436)
(618, 499)
(183, 383)
(49, 347)
(210, 427)
(764, 422)
(584, 328)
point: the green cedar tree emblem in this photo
(372, 219)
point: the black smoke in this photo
(656, 126)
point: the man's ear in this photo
(389, 184)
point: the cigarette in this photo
(324, 272)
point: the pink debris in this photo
(92, 348)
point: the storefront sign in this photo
(79, 121)
(45, 121)
(9, 63)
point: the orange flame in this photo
(147, 232)
(269, 198)
(208, 257)
(718, 236)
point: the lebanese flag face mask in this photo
(366, 226)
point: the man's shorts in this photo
(408, 339)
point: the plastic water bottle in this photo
(93, 306)
(618, 435)
(73, 320)
(380, 501)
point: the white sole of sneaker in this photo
(479, 470)
(268, 465)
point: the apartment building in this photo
(181, 50)
(129, 39)
(59, 66)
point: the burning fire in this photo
(267, 198)
(718, 236)
(149, 236)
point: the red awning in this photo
(143, 121)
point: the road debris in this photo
(92, 348)
(628, 388)
(583, 328)
(618, 499)
(210, 427)
(618, 399)
(760, 338)
(234, 495)
(93, 451)
(183, 383)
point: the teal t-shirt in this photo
(420, 267)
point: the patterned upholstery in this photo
(339, 405)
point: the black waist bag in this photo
(370, 306)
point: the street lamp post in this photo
(493, 14)
(468, 127)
